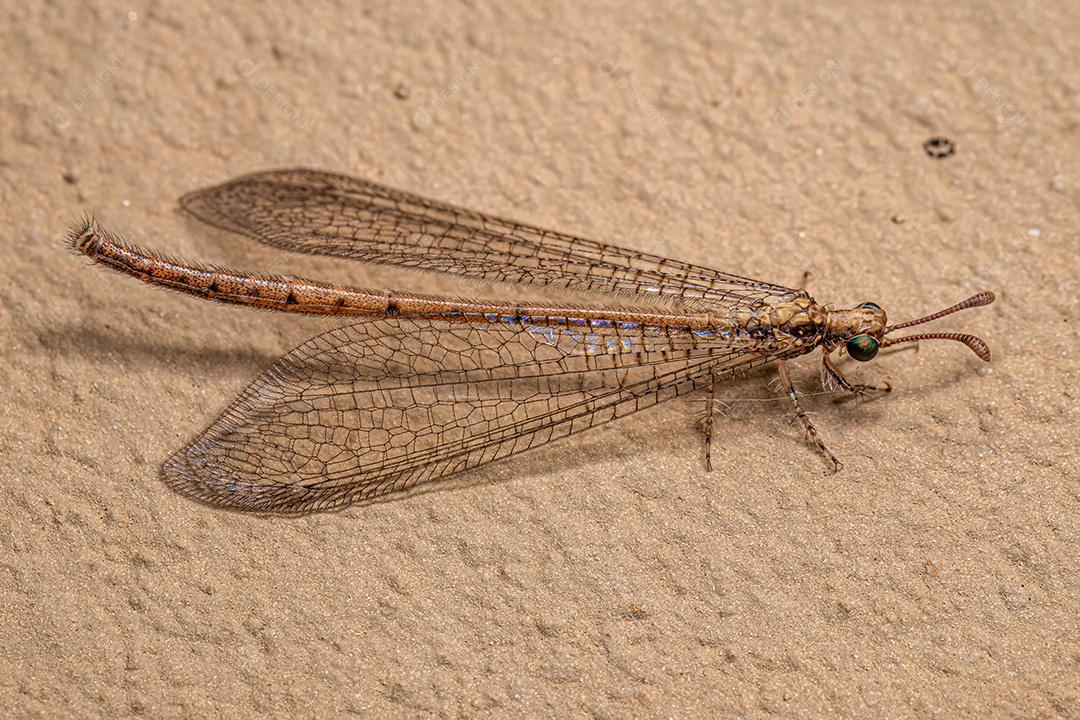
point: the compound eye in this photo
(862, 347)
(870, 306)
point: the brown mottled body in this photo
(310, 297)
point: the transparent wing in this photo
(374, 408)
(324, 213)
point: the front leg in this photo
(789, 387)
(829, 370)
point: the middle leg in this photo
(789, 388)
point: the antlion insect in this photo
(428, 386)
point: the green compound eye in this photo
(862, 348)
(870, 306)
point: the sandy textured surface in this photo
(607, 575)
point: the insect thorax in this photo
(786, 320)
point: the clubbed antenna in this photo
(977, 346)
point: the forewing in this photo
(374, 408)
(324, 213)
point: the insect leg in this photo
(709, 408)
(789, 387)
(830, 370)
